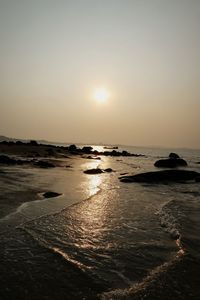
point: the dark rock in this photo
(162, 176)
(173, 155)
(87, 149)
(19, 143)
(51, 194)
(50, 152)
(44, 164)
(197, 179)
(4, 159)
(107, 147)
(115, 153)
(108, 170)
(198, 162)
(125, 153)
(72, 148)
(93, 171)
(33, 143)
(170, 163)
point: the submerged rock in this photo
(93, 171)
(162, 176)
(51, 194)
(108, 170)
(170, 163)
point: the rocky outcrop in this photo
(89, 150)
(165, 176)
(170, 163)
(173, 161)
(72, 148)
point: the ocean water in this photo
(104, 239)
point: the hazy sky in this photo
(146, 53)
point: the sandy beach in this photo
(103, 238)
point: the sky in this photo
(54, 54)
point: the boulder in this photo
(164, 176)
(173, 155)
(170, 163)
(93, 171)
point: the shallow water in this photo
(102, 236)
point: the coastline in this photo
(97, 220)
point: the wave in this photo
(177, 279)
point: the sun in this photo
(101, 95)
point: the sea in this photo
(102, 238)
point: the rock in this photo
(87, 149)
(4, 159)
(170, 163)
(93, 171)
(197, 179)
(162, 176)
(51, 194)
(107, 147)
(72, 148)
(33, 143)
(50, 152)
(108, 170)
(173, 155)
(44, 164)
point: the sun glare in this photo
(101, 95)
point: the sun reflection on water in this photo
(94, 182)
